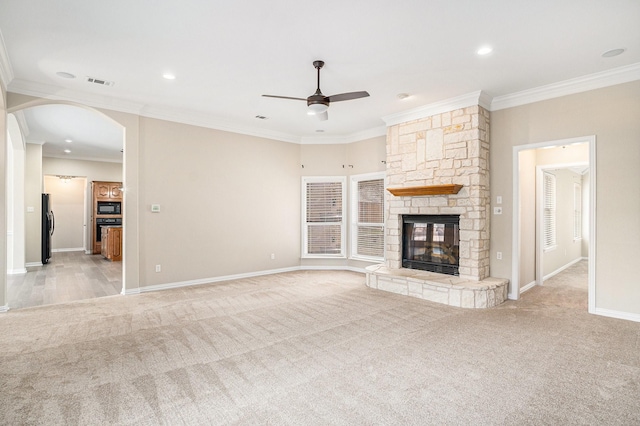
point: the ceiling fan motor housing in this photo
(317, 98)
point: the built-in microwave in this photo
(109, 207)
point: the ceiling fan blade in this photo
(324, 116)
(284, 97)
(347, 96)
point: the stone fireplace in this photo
(439, 165)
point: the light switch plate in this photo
(497, 210)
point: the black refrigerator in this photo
(48, 226)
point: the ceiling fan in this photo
(319, 103)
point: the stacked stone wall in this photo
(447, 148)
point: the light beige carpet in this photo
(316, 348)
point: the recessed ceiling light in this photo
(68, 140)
(485, 50)
(65, 74)
(403, 95)
(67, 151)
(169, 76)
(613, 52)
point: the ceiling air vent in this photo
(100, 81)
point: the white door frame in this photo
(514, 292)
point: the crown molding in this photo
(200, 119)
(568, 87)
(51, 92)
(193, 118)
(462, 101)
(99, 160)
(6, 71)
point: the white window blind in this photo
(367, 230)
(323, 216)
(549, 218)
(577, 211)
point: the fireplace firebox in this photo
(431, 243)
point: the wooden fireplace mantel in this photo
(425, 190)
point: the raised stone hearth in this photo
(439, 288)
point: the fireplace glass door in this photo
(431, 243)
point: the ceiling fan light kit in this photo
(318, 108)
(318, 103)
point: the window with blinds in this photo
(577, 211)
(323, 216)
(549, 211)
(367, 230)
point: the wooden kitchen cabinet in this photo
(115, 191)
(102, 191)
(112, 242)
(107, 191)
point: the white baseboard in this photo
(88, 252)
(527, 287)
(16, 271)
(617, 314)
(4, 308)
(557, 271)
(30, 264)
(332, 268)
(62, 250)
(212, 280)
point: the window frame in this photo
(354, 216)
(343, 220)
(577, 211)
(549, 210)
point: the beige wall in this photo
(33, 202)
(228, 201)
(67, 201)
(527, 161)
(611, 114)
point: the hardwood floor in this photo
(68, 276)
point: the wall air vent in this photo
(100, 81)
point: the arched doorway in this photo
(67, 141)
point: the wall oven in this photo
(109, 207)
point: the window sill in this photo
(367, 259)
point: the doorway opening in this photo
(554, 224)
(64, 148)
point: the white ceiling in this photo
(87, 135)
(225, 55)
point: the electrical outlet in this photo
(499, 255)
(497, 210)
(158, 268)
(273, 256)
